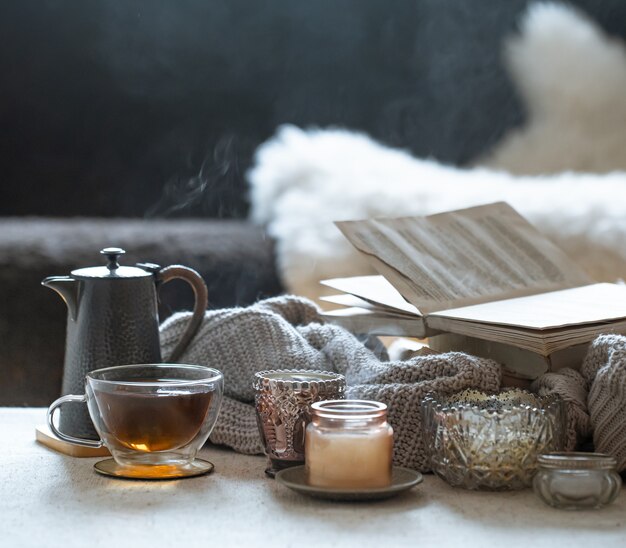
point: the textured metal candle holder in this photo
(490, 441)
(282, 401)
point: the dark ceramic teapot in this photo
(112, 319)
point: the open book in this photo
(482, 272)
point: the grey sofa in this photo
(132, 123)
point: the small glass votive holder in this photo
(349, 445)
(282, 399)
(577, 481)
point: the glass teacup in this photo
(150, 415)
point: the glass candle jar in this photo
(348, 445)
(574, 481)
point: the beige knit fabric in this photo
(288, 333)
(572, 388)
(604, 369)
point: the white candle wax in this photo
(352, 460)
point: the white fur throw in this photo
(572, 79)
(304, 180)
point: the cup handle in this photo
(54, 406)
(201, 294)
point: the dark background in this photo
(154, 107)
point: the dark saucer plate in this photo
(109, 467)
(402, 479)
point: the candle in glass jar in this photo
(349, 445)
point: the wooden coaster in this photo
(44, 436)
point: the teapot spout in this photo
(66, 287)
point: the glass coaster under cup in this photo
(198, 467)
(282, 399)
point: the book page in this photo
(463, 257)
(350, 301)
(347, 300)
(373, 289)
(588, 304)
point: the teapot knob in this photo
(112, 253)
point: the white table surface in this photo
(49, 499)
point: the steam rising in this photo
(218, 174)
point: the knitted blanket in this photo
(595, 397)
(288, 333)
(604, 370)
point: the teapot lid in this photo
(113, 269)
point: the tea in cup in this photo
(153, 418)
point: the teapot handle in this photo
(201, 302)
